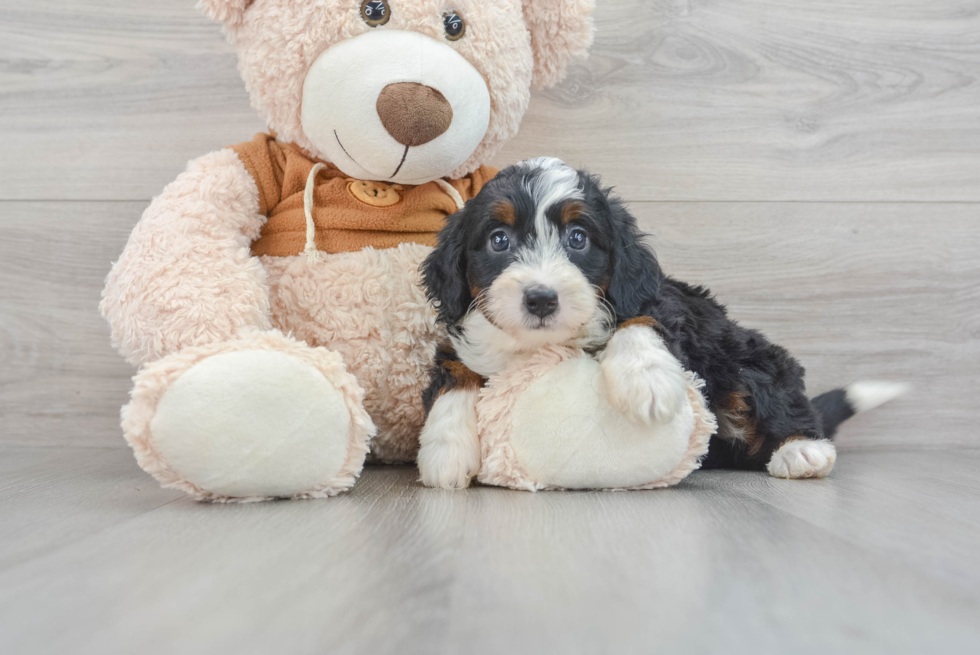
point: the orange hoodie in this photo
(348, 214)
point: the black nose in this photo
(541, 301)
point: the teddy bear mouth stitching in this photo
(400, 164)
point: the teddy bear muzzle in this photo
(395, 106)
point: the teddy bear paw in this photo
(231, 422)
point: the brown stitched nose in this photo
(414, 114)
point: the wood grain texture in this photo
(925, 508)
(52, 497)
(855, 291)
(727, 562)
(681, 99)
(60, 381)
(842, 106)
(773, 100)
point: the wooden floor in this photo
(815, 162)
(879, 558)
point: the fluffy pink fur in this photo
(501, 466)
(187, 276)
(368, 306)
(154, 379)
(512, 44)
(229, 12)
(560, 31)
(186, 286)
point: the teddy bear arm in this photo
(187, 276)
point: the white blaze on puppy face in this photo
(543, 262)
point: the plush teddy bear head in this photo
(401, 91)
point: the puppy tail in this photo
(838, 405)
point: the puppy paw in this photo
(449, 452)
(803, 458)
(644, 381)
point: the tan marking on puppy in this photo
(740, 424)
(504, 212)
(570, 211)
(465, 378)
(476, 291)
(640, 321)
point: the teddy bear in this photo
(270, 295)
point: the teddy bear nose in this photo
(414, 114)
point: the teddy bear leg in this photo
(262, 416)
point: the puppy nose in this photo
(541, 301)
(414, 114)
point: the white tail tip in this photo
(864, 396)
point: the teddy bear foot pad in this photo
(548, 424)
(259, 418)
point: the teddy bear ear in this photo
(229, 12)
(560, 30)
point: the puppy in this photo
(544, 255)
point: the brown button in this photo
(414, 114)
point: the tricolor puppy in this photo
(544, 255)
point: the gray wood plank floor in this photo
(878, 558)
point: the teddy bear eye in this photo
(455, 26)
(375, 12)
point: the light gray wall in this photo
(816, 163)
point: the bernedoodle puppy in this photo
(545, 255)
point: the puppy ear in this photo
(444, 272)
(560, 30)
(636, 275)
(229, 12)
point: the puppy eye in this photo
(455, 26)
(375, 12)
(499, 241)
(578, 239)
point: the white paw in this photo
(803, 458)
(644, 381)
(449, 452)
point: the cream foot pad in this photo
(263, 416)
(546, 424)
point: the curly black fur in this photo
(755, 387)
